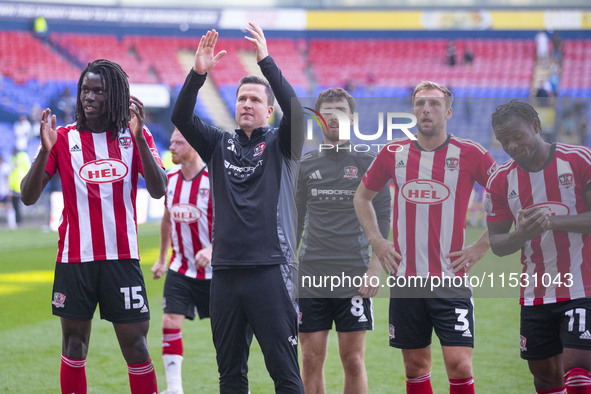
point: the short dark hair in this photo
(334, 94)
(253, 79)
(428, 85)
(117, 91)
(515, 109)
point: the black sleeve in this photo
(199, 134)
(291, 128)
(301, 203)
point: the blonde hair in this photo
(427, 85)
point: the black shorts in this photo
(546, 329)
(116, 285)
(412, 321)
(349, 314)
(184, 295)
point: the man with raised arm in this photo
(252, 174)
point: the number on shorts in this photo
(464, 323)
(582, 312)
(133, 293)
(357, 306)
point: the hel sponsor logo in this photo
(566, 180)
(103, 171)
(185, 213)
(125, 142)
(452, 163)
(58, 300)
(552, 208)
(350, 172)
(258, 150)
(522, 344)
(425, 191)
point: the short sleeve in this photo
(150, 141)
(495, 200)
(377, 175)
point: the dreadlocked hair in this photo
(117, 91)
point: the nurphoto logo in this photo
(392, 120)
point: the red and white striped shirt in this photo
(191, 214)
(99, 178)
(431, 195)
(558, 189)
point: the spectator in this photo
(557, 46)
(542, 49)
(40, 29)
(20, 166)
(22, 132)
(451, 53)
(5, 194)
(468, 57)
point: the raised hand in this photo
(204, 56)
(48, 130)
(136, 124)
(258, 39)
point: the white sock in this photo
(11, 218)
(172, 367)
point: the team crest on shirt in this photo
(392, 331)
(58, 300)
(452, 163)
(258, 150)
(566, 180)
(350, 172)
(125, 142)
(203, 192)
(523, 343)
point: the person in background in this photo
(186, 225)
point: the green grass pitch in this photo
(30, 337)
